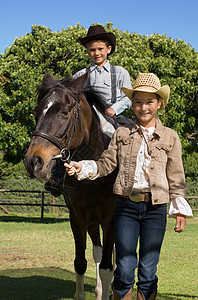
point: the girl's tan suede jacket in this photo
(167, 179)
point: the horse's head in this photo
(63, 120)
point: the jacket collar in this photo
(135, 127)
(159, 127)
(158, 130)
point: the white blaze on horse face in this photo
(47, 108)
(49, 104)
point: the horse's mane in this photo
(93, 98)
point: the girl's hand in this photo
(180, 223)
(73, 167)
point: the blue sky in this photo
(176, 18)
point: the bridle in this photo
(64, 151)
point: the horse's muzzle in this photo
(35, 167)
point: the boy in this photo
(148, 156)
(106, 79)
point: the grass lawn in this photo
(36, 260)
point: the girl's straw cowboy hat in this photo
(150, 83)
(97, 32)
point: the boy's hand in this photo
(180, 223)
(73, 167)
(110, 111)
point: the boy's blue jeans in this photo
(147, 223)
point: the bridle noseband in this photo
(65, 151)
(48, 137)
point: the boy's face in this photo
(98, 52)
(145, 107)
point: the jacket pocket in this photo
(124, 144)
(125, 140)
(161, 152)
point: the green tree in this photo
(24, 64)
(191, 166)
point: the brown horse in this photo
(66, 121)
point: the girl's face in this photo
(98, 52)
(145, 106)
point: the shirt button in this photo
(156, 200)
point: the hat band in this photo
(146, 86)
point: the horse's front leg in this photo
(94, 234)
(80, 263)
(80, 292)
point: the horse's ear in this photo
(47, 78)
(80, 82)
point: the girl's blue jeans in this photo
(144, 222)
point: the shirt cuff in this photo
(89, 170)
(180, 206)
(121, 106)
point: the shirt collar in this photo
(106, 66)
(148, 131)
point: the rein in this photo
(65, 151)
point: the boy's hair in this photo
(104, 41)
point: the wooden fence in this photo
(42, 204)
(15, 202)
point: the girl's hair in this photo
(158, 96)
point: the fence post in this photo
(42, 204)
(53, 203)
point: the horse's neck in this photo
(97, 142)
(94, 143)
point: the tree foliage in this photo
(24, 64)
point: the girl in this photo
(150, 173)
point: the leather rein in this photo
(64, 151)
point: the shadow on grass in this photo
(41, 284)
(175, 296)
(52, 284)
(18, 219)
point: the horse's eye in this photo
(65, 113)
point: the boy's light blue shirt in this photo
(100, 80)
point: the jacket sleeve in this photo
(175, 170)
(105, 165)
(108, 161)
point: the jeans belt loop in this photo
(138, 197)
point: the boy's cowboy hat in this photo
(97, 32)
(150, 83)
